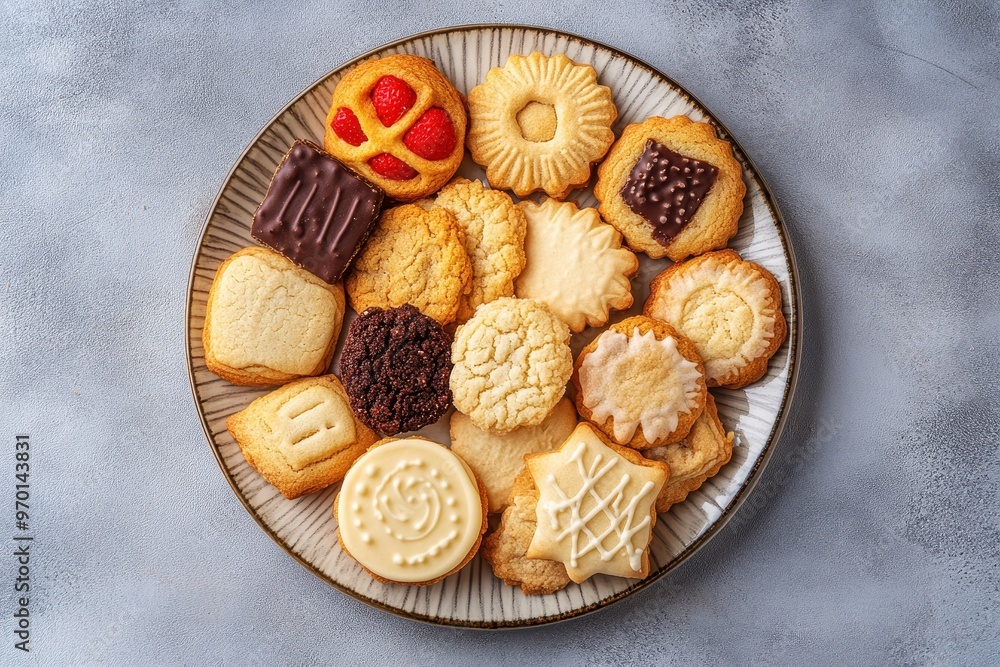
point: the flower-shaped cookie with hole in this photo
(539, 123)
(398, 122)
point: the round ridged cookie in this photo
(729, 307)
(694, 459)
(498, 458)
(575, 263)
(410, 511)
(672, 188)
(494, 230)
(539, 123)
(512, 360)
(398, 122)
(641, 382)
(414, 257)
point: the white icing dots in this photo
(412, 482)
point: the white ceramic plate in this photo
(306, 527)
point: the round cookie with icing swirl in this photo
(641, 382)
(410, 511)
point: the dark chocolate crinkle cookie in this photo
(395, 366)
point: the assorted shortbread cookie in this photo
(730, 309)
(672, 188)
(400, 123)
(565, 243)
(540, 123)
(641, 382)
(416, 257)
(301, 437)
(494, 229)
(596, 506)
(700, 455)
(268, 321)
(410, 511)
(498, 458)
(511, 364)
(469, 300)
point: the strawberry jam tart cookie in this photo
(729, 307)
(641, 383)
(410, 511)
(398, 122)
(672, 188)
(539, 123)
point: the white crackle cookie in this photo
(414, 257)
(596, 506)
(640, 382)
(539, 123)
(729, 307)
(512, 361)
(269, 321)
(672, 187)
(497, 459)
(494, 230)
(410, 511)
(302, 437)
(506, 548)
(694, 459)
(575, 263)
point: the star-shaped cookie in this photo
(596, 506)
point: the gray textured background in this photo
(874, 535)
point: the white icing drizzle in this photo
(621, 521)
(673, 387)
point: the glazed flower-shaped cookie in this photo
(640, 382)
(575, 263)
(671, 187)
(512, 361)
(494, 228)
(398, 122)
(694, 459)
(539, 123)
(729, 307)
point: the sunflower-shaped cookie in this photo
(539, 123)
(575, 263)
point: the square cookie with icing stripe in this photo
(302, 437)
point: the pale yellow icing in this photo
(639, 381)
(410, 510)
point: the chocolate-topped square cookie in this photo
(672, 187)
(316, 212)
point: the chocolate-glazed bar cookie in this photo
(316, 212)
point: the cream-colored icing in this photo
(594, 508)
(314, 425)
(639, 381)
(410, 510)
